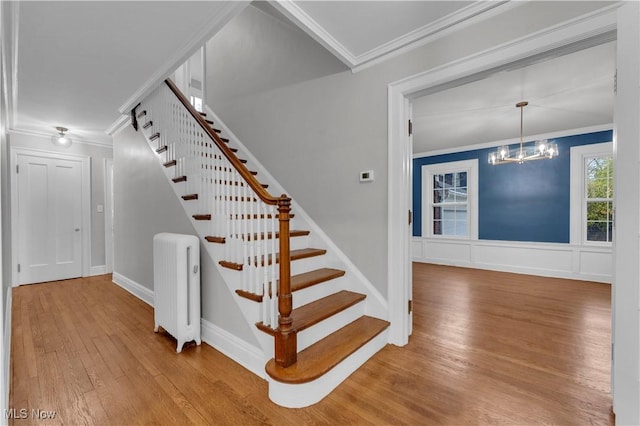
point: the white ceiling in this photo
(79, 61)
(361, 33)
(569, 92)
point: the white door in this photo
(49, 219)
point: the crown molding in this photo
(511, 141)
(455, 21)
(10, 13)
(118, 125)
(48, 136)
(316, 31)
(202, 35)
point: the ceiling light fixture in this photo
(61, 139)
(542, 149)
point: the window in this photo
(449, 192)
(197, 103)
(592, 194)
(449, 204)
(598, 198)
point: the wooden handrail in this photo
(261, 192)
(286, 348)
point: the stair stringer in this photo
(375, 304)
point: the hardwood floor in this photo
(487, 348)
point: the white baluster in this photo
(252, 250)
(274, 267)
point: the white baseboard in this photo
(248, 356)
(97, 270)
(543, 259)
(6, 367)
(138, 290)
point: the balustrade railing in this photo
(239, 211)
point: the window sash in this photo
(597, 213)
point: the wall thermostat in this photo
(366, 176)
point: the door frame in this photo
(108, 216)
(85, 163)
(580, 31)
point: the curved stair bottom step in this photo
(301, 395)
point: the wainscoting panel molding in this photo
(543, 259)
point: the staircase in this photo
(316, 317)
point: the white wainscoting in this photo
(590, 263)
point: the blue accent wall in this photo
(517, 202)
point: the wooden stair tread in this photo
(312, 313)
(298, 282)
(161, 149)
(190, 197)
(213, 239)
(292, 233)
(307, 279)
(294, 254)
(321, 357)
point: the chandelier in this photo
(542, 149)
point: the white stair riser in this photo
(324, 328)
(301, 266)
(305, 394)
(267, 344)
(317, 291)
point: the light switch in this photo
(100, 208)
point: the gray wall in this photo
(315, 125)
(145, 204)
(97, 155)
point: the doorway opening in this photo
(592, 31)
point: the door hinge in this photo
(18, 267)
(17, 168)
(410, 128)
(410, 217)
(410, 306)
(612, 348)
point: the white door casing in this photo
(108, 214)
(50, 218)
(573, 34)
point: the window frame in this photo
(578, 216)
(430, 170)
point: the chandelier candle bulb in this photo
(543, 148)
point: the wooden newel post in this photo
(286, 347)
